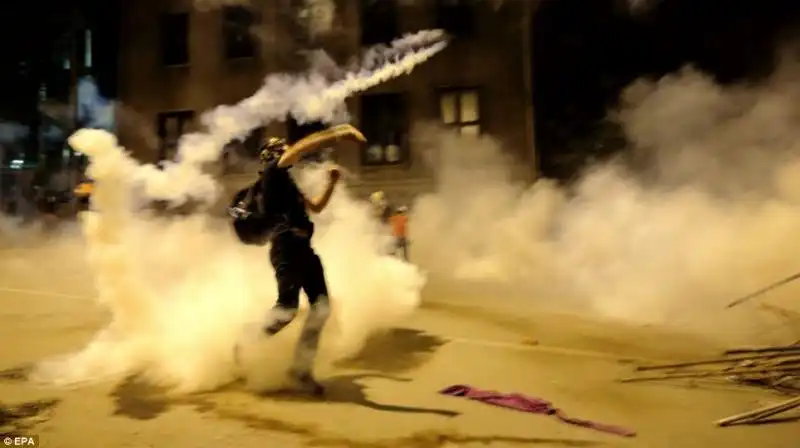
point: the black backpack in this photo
(251, 227)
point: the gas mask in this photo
(273, 150)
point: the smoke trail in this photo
(309, 98)
(182, 291)
(709, 212)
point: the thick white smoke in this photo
(707, 211)
(183, 293)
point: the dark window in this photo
(175, 39)
(296, 131)
(384, 122)
(378, 21)
(461, 109)
(170, 126)
(457, 17)
(237, 24)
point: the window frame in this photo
(459, 124)
(403, 111)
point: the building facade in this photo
(177, 61)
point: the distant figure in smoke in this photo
(83, 194)
(382, 211)
(381, 207)
(274, 210)
(399, 221)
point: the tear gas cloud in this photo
(706, 208)
(704, 211)
(183, 292)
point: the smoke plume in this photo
(705, 209)
(702, 210)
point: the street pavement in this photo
(385, 397)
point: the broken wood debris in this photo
(776, 368)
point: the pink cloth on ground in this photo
(533, 405)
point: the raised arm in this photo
(316, 140)
(318, 204)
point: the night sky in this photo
(586, 51)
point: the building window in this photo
(384, 122)
(379, 24)
(457, 17)
(461, 109)
(237, 24)
(170, 126)
(295, 131)
(175, 39)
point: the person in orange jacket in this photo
(399, 223)
(83, 193)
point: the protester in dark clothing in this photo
(275, 211)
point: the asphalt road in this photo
(385, 397)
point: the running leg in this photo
(319, 311)
(286, 275)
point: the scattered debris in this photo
(760, 414)
(775, 368)
(764, 290)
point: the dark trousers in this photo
(297, 267)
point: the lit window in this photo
(461, 108)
